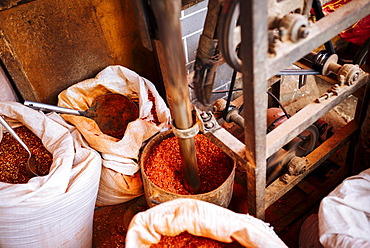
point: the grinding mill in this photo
(261, 44)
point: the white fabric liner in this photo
(199, 218)
(116, 79)
(344, 215)
(120, 180)
(55, 210)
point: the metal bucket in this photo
(155, 195)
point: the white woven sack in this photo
(199, 218)
(121, 180)
(344, 215)
(55, 210)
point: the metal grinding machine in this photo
(167, 18)
(261, 43)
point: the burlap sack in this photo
(199, 218)
(55, 210)
(120, 180)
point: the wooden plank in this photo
(311, 199)
(254, 53)
(306, 187)
(278, 188)
(285, 132)
(229, 144)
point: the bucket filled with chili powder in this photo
(162, 171)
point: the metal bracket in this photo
(207, 122)
(296, 167)
(333, 91)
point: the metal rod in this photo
(14, 134)
(167, 14)
(320, 32)
(52, 108)
(287, 72)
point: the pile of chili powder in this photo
(164, 168)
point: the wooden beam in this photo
(254, 54)
(320, 32)
(285, 132)
(278, 188)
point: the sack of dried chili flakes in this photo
(120, 179)
(181, 217)
(54, 210)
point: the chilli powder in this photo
(13, 157)
(164, 167)
(187, 240)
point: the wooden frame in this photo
(257, 67)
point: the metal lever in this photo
(208, 55)
(52, 108)
(31, 161)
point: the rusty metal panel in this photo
(7, 4)
(48, 49)
(46, 45)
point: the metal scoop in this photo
(112, 112)
(31, 161)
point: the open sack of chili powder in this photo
(54, 210)
(120, 180)
(198, 218)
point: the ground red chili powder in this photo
(164, 167)
(186, 240)
(13, 157)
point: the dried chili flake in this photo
(164, 167)
(187, 240)
(153, 110)
(13, 157)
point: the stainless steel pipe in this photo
(167, 14)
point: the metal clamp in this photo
(333, 91)
(296, 166)
(186, 133)
(207, 121)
